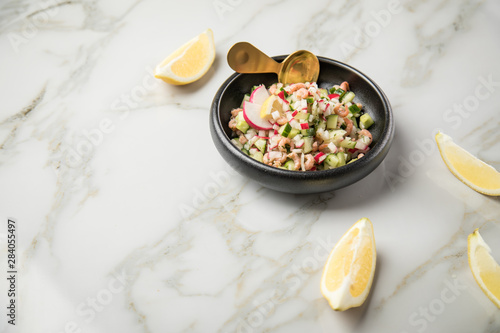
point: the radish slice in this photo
(259, 95)
(251, 113)
(333, 96)
(300, 143)
(282, 96)
(320, 157)
(304, 125)
(273, 142)
(333, 148)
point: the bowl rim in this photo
(377, 152)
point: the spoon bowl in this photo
(300, 66)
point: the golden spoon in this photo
(300, 66)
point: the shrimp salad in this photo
(301, 126)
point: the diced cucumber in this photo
(321, 124)
(323, 93)
(310, 100)
(338, 91)
(331, 121)
(290, 165)
(349, 96)
(348, 144)
(237, 143)
(308, 132)
(261, 145)
(354, 159)
(354, 122)
(241, 124)
(285, 130)
(245, 99)
(302, 116)
(354, 109)
(348, 157)
(332, 160)
(245, 151)
(341, 157)
(365, 121)
(293, 133)
(308, 142)
(336, 136)
(258, 156)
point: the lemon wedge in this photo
(485, 269)
(270, 105)
(348, 273)
(189, 62)
(473, 172)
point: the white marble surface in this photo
(128, 220)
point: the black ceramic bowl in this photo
(231, 93)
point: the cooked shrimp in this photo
(302, 93)
(344, 86)
(359, 105)
(296, 160)
(367, 134)
(283, 158)
(275, 156)
(273, 89)
(341, 110)
(243, 139)
(349, 125)
(235, 112)
(283, 142)
(361, 155)
(315, 146)
(282, 120)
(297, 86)
(323, 146)
(232, 124)
(265, 159)
(309, 162)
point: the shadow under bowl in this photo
(332, 72)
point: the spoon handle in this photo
(243, 57)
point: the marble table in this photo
(128, 220)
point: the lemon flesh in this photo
(270, 105)
(485, 269)
(189, 62)
(473, 172)
(350, 268)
